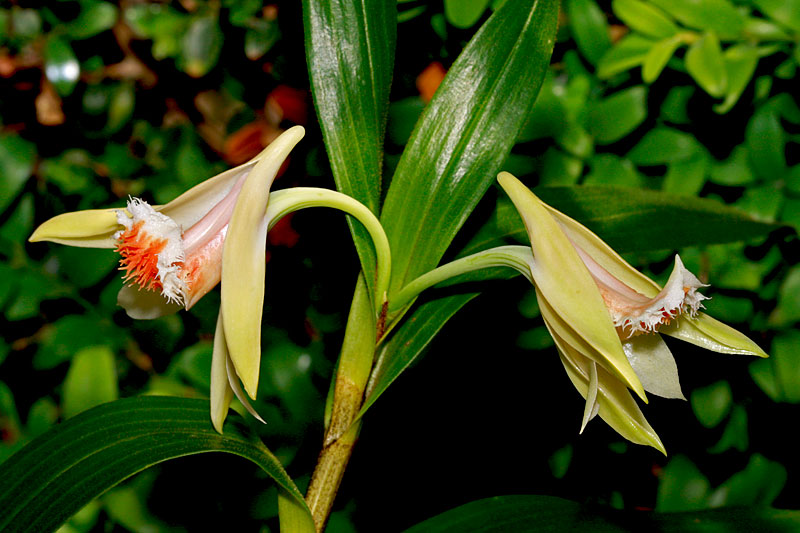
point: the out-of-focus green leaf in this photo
(662, 146)
(68, 335)
(681, 487)
(658, 57)
(710, 404)
(740, 64)
(705, 63)
(260, 37)
(546, 118)
(350, 54)
(763, 202)
(674, 109)
(464, 13)
(779, 376)
(559, 168)
(61, 66)
(126, 508)
(613, 118)
(758, 485)
(120, 107)
(19, 225)
(766, 142)
(17, 157)
(548, 514)
(629, 52)
(575, 140)
(403, 115)
(91, 380)
(27, 23)
(162, 24)
(730, 308)
(719, 16)
(95, 17)
(29, 288)
(733, 171)
(465, 134)
(84, 267)
(41, 417)
(786, 12)
(609, 169)
(687, 176)
(644, 18)
(200, 46)
(589, 27)
(61, 471)
(788, 309)
(735, 435)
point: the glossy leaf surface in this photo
(466, 133)
(64, 469)
(350, 53)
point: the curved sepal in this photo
(713, 335)
(92, 228)
(243, 265)
(566, 284)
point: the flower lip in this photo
(635, 313)
(151, 250)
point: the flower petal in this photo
(616, 406)
(712, 334)
(654, 364)
(143, 304)
(243, 261)
(233, 381)
(92, 228)
(564, 330)
(592, 407)
(221, 391)
(566, 283)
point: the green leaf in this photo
(687, 176)
(733, 171)
(638, 220)
(589, 28)
(559, 168)
(466, 133)
(629, 52)
(674, 109)
(17, 157)
(759, 484)
(719, 16)
(766, 143)
(682, 487)
(548, 514)
(613, 118)
(706, 65)
(740, 64)
(200, 46)
(644, 18)
(710, 404)
(61, 66)
(786, 12)
(66, 336)
(661, 146)
(464, 13)
(779, 376)
(95, 17)
(735, 436)
(350, 53)
(658, 57)
(609, 169)
(91, 380)
(58, 473)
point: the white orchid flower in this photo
(605, 316)
(172, 255)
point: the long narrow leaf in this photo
(466, 133)
(350, 52)
(58, 473)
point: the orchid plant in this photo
(604, 316)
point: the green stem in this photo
(286, 201)
(516, 257)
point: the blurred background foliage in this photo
(103, 100)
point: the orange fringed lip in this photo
(138, 252)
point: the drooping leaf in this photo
(350, 53)
(56, 474)
(466, 133)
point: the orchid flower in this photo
(172, 255)
(605, 316)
